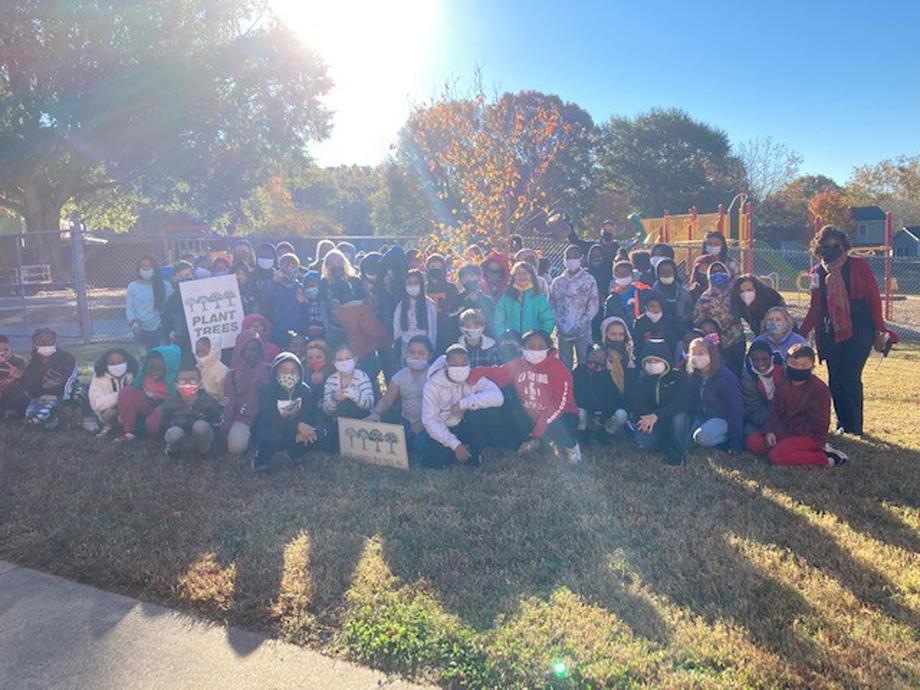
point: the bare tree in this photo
(770, 165)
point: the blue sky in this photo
(837, 82)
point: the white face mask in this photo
(714, 249)
(416, 364)
(572, 264)
(118, 370)
(655, 368)
(265, 263)
(345, 366)
(666, 280)
(458, 374)
(413, 290)
(288, 381)
(534, 356)
(623, 282)
(700, 361)
(747, 296)
(657, 260)
(654, 317)
(46, 350)
(146, 273)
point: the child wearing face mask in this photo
(348, 391)
(714, 248)
(796, 431)
(758, 386)
(145, 302)
(287, 415)
(601, 393)
(113, 371)
(406, 388)
(544, 392)
(716, 393)
(141, 401)
(573, 295)
(13, 398)
(778, 331)
(524, 306)
(189, 413)
(625, 293)
(481, 348)
(655, 323)
(416, 314)
(751, 299)
(49, 379)
(213, 371)
(660, 403)
(460, 417)
(263, 273)
(316, 313)
(677, 300)
(472, 297)
(248, 373)
(715, 304)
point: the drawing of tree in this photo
(350, 433)
(230, 297)
(215, 298)
(392, 440)
(202, 301)
(362, 434)
(190, 302)
(377, 437)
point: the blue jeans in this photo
(671, 436)
(710, 433)
(415, 443)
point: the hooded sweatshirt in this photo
(244, 383)
(103, 391)
(441, 394)
(213, 371)
(677, 299)
(172, 356)
(53, 376)
(666, 394)
(575, 300)
(271, 349)
(546, 390)
(271, 423)
(803, 410)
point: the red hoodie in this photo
(545, 389)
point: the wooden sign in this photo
(213, 308)
(374, 442)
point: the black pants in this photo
(517, 424)
(13, 398)
(270, 445)
(477, 430)
(845, 363)
(733, 357)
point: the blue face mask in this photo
(311, 292)
(775, 328)
(718, 279)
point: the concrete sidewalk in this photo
(59, 634)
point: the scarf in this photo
(838, 301)
(617, 375)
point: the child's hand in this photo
(647, 423)
(305, 433)
(462, 453)
(771, 439)
(373, 417)
(339, 396)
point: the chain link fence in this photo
(75, 283)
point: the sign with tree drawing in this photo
(213, 308)
(374, 442)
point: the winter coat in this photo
(665, 329)
(103, 391)
(719, 396)
(803, 410)
(596, 392)
(574, 300)
(441, 394)
(283, 309)
(678, 301)
(523, 313)
(666, 394)
(782, 347)
(50, 376)
(757, 407)
(270, 422)
(177, 412)
(243, 384)
(546, 390)
(486, 354)
(213, 372)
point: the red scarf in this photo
(838, 301)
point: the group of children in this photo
(613, 348)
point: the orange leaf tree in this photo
(832, 208)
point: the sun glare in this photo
(378, 53)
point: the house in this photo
(870, 226)
(906, 241)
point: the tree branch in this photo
(16, 206)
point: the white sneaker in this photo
(573, 454)
(582, 419)
(835, 457)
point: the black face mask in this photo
(797, 374)
(831, 253)
(471, 285)
(436, 274)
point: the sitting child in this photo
(601, 393)
(113, 371)
(243, 386)
(49, 378)
(656, 323)
(213, 371)
(141, 401)
(460, 417)
(717, 393)
(406, 388)
(13, 398)
(286, 421)
(348, 391)
(796, 432)
(758, 386)
(189, 412)
(481, 348)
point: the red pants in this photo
(133, 404)
(792, 450)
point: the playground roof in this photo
(867, 213)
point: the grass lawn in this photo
(724, 573)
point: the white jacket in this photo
(440, 394)
(103, 391)
(213, 372)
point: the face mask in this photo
(654, 317)
(713, 249)
(413, 290)
(534, 356)
(624, 282)
(146, 273)
(288, 381)
(266, 264)
(666, 280)
(766, 373)
(618, 345)
(748, 296)
(797, 374)
(471, 285)
(345, 366)
(311, 292)
(718, 279)
(700, 361)
(657, 260)
(831, 254)
(46, 350)
(118, 370)
(775, 328)
(606, 237)
(416, 364)
(458, 374)
(472, 333)
(187, 390)
(655, 368)
(436, 273)
(572, 264)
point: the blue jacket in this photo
(720, 396)
(286, 313)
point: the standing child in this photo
(472, 297)
(13, 398)
(574, 297)
(677, 300)
(480, 347)
(189, 412)
(145, 302)
(656, 322)
(625, 293)
(715, 303)
(524, 306)
(48, 379)
(113, 371)
(416, 314)
(315, 307)
(213, 371)
(248, 373)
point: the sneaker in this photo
(105, 431)
(582, 419)
(835, 457)
(172, 453)
(124, 438)
(259, 466)
(839, 431)
(90, 425)
(573, 454)
(530, 446)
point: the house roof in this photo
(867, 213)
(912, 230)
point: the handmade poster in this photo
(374, 442)
(213, 308)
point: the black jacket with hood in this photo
(270, 422)
(665, 395)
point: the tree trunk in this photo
(46, 246)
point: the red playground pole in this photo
(749, 238)
(888, 236)
(720, 226)
(693, 220)
(666, 235)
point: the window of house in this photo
(861, 230)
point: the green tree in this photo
(189, 102)
(399, 206)
(664, 159)
(784, 215)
